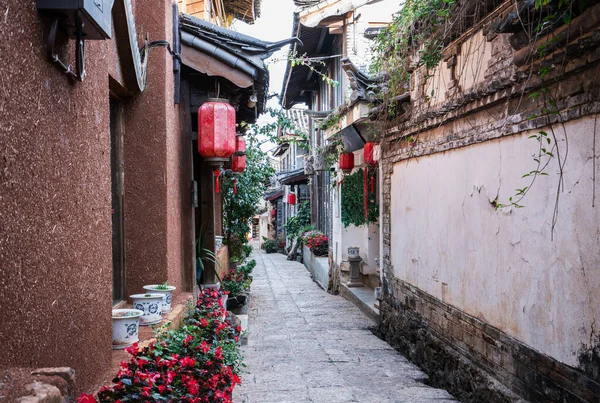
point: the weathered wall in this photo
(501, 301)
(55, 214)
(504, 266)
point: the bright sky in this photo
(274, 24)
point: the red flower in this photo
(187, 340)
(83, 398)
(133, 349)
(188, 362)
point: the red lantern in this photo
(238, 163)
(368, 154)
(240, 145)
(273, 213)
(291, 198)
(216, 130)
(347, 162)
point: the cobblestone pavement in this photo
(306, 345)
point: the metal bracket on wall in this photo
(79, 73)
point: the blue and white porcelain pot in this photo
(125, 326)
(166, 291)
(151, 305)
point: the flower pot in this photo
(218, 242)
(353, 252)
(216, 286)
(167, 295)
(150, 304)
(125, 326)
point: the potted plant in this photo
(167, 292)
(151, 305)
(125, 326)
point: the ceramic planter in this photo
(353, 252)
(125, 326)
(150, 304)
(218, 242)
(167, 295)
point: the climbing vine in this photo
(419, 34)
(240, 206)
(353, 202)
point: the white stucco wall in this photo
(502, 266)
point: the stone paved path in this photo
(306, 345)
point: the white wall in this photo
(502, 266)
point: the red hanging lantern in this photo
(216, 130)
(368, 154)
(291, 198)
(240, 145)
(273, 213)
(347, 162)
(366, 193)
(238, 162)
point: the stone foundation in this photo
(44, 385)
(473, 360)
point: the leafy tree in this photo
(239, 208)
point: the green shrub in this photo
(271, 245)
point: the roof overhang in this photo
(216, 51)
(270, 196)
(355, 114)
(281, 149)
(315, 15)
(293, 177)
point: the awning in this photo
(312, 16)
(216, 51)
(293, 177)
(273, 195)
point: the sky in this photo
(274, 24)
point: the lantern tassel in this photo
(235, 186)
(217, 173)
(365, 193)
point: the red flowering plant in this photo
(238, 279)
(317, 242)
(197, 363)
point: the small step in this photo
(363, 298)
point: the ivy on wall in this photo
(353, 204)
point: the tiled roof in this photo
(298, 118)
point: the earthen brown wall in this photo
(152, 157)
(55, 211)
(55, 192)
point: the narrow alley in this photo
(306, 345)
